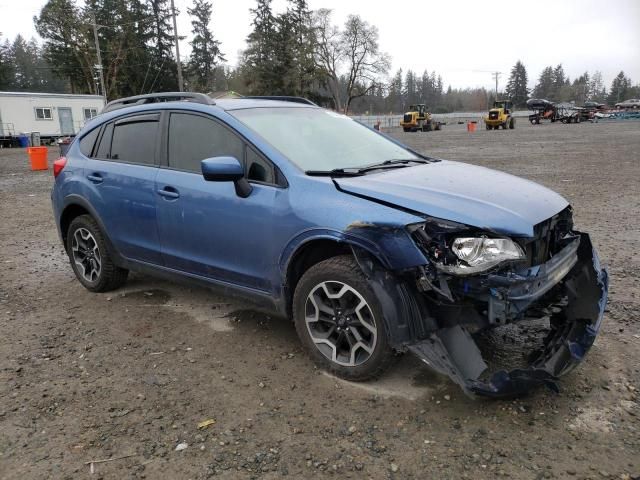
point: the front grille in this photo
(493, 115)
(408, 118)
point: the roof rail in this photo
(157, 98)
(282, 98)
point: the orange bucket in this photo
(471, 126)
(38, 158)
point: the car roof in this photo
(228, 104)
(225, 104)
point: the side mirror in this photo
(226, 169)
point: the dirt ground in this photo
(86, 377)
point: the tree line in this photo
(297, 52)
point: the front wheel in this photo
(512, 123)
(339, 320)
(90, 259)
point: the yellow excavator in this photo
(417, 118)
(500, 116)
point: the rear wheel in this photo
(406, 129)
(90, 259)
(512, 123)
(339, 320)
(488, 127)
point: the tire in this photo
(406, 129)
(428, 127)
(512, 123)
(437, 127)
(341, 276)
(87, 250)
(488, 127)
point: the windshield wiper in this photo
(336, 172)
(356, 171)
(391, 164)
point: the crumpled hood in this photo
(461, 192)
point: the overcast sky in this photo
(458, 38)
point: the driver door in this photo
(205, 228)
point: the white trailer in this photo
(53, 115)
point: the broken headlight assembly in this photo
(477, 254)
(456, 250)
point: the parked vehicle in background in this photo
(418, 118)
(368, 246)
(554, 112)
(632, 103)
(500, 116)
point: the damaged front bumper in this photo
(573, 275)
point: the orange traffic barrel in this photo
(38, 158)
(471, 126)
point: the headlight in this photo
(479, 254)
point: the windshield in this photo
(321, 140)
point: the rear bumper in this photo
(492, 123)
(576, 276)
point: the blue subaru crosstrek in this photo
(369, 247)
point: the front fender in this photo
(391, 245)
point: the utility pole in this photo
(175, 33)
(99, 66)
(496, 76)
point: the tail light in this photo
(58, 166)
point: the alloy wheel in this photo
(86, 254)
(341, 323)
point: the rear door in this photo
(121, 177)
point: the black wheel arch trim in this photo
(77, 200)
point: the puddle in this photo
(407, 379)
(200, 305)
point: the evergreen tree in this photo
(7, 70)
(162, 45)
(619, 87)
(303, 45)
(67, 35)
(410, 92)
(559, 81)
(517, 85)
(258, 58)
(545, 87)
(205, 49)
(395, 100)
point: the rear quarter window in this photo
(88, 142)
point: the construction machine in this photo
(500, 116)
(417, 118)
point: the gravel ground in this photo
(128, 375)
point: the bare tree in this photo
(365, 63)
(353, 51)
(329, 52)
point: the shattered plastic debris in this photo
(205, 423)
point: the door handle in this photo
(95, 178)
(169, 193)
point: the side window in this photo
(88, 141)
(258, 169)
(193, 138)
(104, 147)
(134, 140)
